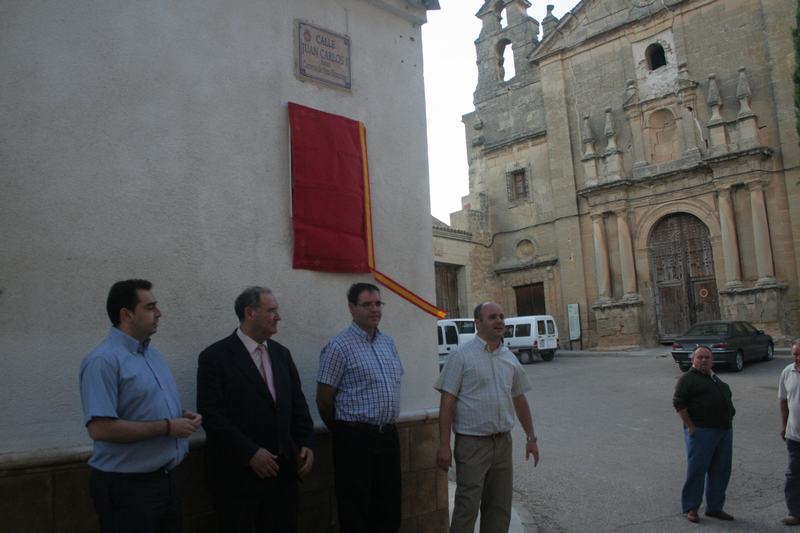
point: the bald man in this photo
(704, 405)
(482, 420)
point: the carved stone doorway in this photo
(682, 269)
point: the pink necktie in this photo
(266, 369)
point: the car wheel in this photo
(548, 355)
(525, 357)
(738, 362)
(684, 368)
(770, 352)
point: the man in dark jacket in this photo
(259, 432)
(704, 404)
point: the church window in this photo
(655, 56)
(517, 184)
(505, 61)
(502, 14)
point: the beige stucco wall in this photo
(150, 140)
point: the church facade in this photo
(637, 173)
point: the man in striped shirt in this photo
(483, 387)
(358, 396)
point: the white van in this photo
(448, 339)
(465, 327)
(530, 336)
(452, 333)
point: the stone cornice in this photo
(763, 152)
(620, 304)
(508, 141)
(705, 164)
(536, 263)
(777, 286)
(450, 233)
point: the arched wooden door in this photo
(682, 269)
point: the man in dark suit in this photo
(259, 432)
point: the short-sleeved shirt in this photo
(484, 384)
(789, 390)
(127, 379)
(366, 373)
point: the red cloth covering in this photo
(327, 192)
(331, 207)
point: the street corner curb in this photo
(527, 521)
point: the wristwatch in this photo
(531, 439)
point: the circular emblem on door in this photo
(703, 293)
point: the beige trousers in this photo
(484, 478)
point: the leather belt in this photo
(375, 428)
(161, 472)
(489, 436)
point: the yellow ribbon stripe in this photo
(398, 289)
(381, 278)
(362, 134)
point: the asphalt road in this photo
(612, 453)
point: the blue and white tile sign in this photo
(323, 56)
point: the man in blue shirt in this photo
(358, 396)
(133, 414)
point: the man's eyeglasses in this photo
(371, 305)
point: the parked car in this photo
(732, 342)
(530, 336)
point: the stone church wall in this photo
(641, 111)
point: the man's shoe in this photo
(691, 516)
(791, 521)
(722, 515)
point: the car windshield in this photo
(707, 330)
(466, 327)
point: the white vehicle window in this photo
(466, 327)
(551, 327)
(540, 326)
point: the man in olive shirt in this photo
(703, 403)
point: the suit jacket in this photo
(239, 414)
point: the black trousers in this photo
(135, 503)
(269, 505)
(367, 474)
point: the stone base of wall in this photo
(618, 323)
(763, 306)
(51, 494)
